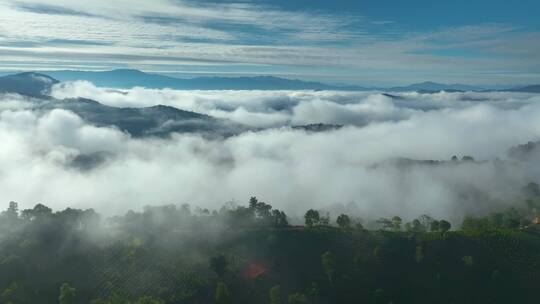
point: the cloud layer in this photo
(263, 37)
(354, 167)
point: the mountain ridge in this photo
(129, 78)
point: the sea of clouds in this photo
(352, 169)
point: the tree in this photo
(496, 220)
(328, 261)
(13, 294)
(467, 158)
(219, 264)
(444, 226)
(396, 223)
(279, 218)
(426, 221)
(10, 217)
(67, 294)
(385, 224)
(275, 295)
(417, 226)
(471, 223)
(297, 298)
(325, 220)
(222, 295)
(39, 212)
(435, 226)
(313, 292)
(344, 221)
(468, 260)
(511, 218)
(312, 217)
(12, 211)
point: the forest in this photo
(252, 254)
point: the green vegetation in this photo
(240, 254)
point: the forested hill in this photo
(251, 254)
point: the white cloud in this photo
(293, 170)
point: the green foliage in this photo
(297, 298)
(344, 221)
(68, 294)
(275, 295)
(222, 295)
(13, 294)
(418, 226)
(163, 254)
(385, 224)
(312, 218)
(313, 292)
(396, 223)
(444, 226)
(471, 223)
(325, 220)
(435, 226)
(468, 260)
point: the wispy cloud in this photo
(163, 34)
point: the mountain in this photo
(431, 87)
(129, 78)
(527, 89)
(126, 78)
(158, 121)
(30, 84)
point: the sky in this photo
(365, 42)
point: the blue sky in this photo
(341, 41)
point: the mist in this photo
(355, 168)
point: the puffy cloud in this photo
(292, 169)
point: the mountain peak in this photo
(128, 71)
(28, 83)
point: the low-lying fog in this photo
(353, 168)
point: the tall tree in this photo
(444, 225)
(312, 218)
(344, 221)
(396, 223)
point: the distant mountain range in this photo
(429, 86)
(134, 78)
(527, 89)
(128, 78)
